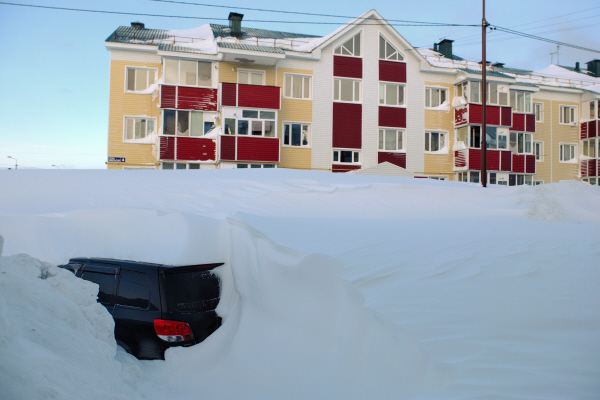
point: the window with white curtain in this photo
(391, 94)
(567, 115)
(435, 142)
(297, 86)
(251, 77)
(137, 128)
(188, 72)
(391, 139)
(346, 90)
(568, 153)
(139, 79)
(435, 97)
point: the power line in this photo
(212, 19)
(527, 35)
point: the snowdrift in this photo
(335, 286)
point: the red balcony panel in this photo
(229, 94)
(257, 149)
(583, 130)
(493, 160)
(168, 96)
(167, 147)
(506, 116)
(196, 149)
(390, 71)
(530, 123)
(460, 158)
(347, 67)
(506, 161)
(258, 96)
(475, 114)
(392, 117)
(347, 126)
(343, 167)
(203, 99)
(518, 161)
(592, 129)
(530, 164)
(583, 168)
(228, 148)
(492, 115)
(474, 159)
(592, 167)
(518, 123)
(461, 115)
(398, 159)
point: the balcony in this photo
(589, 129)
(248, 148)
(251, 96)
(473, 114)
(497, 160)
(187, 148)
(590, 168)
(188, 98)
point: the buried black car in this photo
(154, 306)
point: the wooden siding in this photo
(344, 168)
(296, 158)
(228, 72)
(439, 120)
(123, 104)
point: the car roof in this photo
(136, 264)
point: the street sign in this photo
(116, 159)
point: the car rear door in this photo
(106, 276)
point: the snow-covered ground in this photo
(335, 285)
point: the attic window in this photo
(387, 51)
(350, 48)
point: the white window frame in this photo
(587, 108)
(291, 92)
(187, 165)
(207, 116)
(338, 50)
(527, 101)
(539, 117)
(262, 72)
(290, 123)
(130, 67)
(212, 75)
(400, 57)
(538, 150)
(561, 150)
(401, 88)
(137, 117)
(523, 137)
(538, 182)
(400, 137)
(465, 92)
(250, 120)
(590, 144)
(500, 88)
(339, 100)
(354, 152)
(443, 150)
(254, 165)
(429, 96)
(572, 114)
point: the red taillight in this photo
(172, 331)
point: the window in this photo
(187, 72)
(133, 290)
(391, 139)
(391, 94)
(137, 128)
(567, 115)
(435, 142)
(474, 177)
(179, 165)
(297, 135)
(462, 90)
(592, 114)
(252, 122)
(568, 153)
(521, 142)
(297, 86)
(491, 137)
(535, 183)
(347, 90)
(589, 148)
(538, 109)
(346, 156)
(186, 123)
(538, 151)
(350, 48)
(475, 137)
(255, 166)
(502, 141)
(139, 79)
(435, 97)
(250, 77)
(520, 101)
(462, 135)
(497, 94)
(474, 92)
(387, 51)
(492, 179)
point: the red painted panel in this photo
(518, 123)
(258, 96)
(475, 114)
(493, 115)
(530, 164)
(518, 163)
(506, 161)
(257, 149)
(168, 96)
(461, 116)
(167, 147)
(196, 149)
(390, 71)
(584, 130)
(584, 169)
(474, 159)
(530, 123)
(398, 159)
(392, 117)
(347, 67)
(189, 98)
(506, 116)
(347, 125)
(592, 170)
(229, 94)
(460, 158)
(592, 131)
(227, 147)
(343, 168)
(493, 160)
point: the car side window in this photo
(107, 283)
(133, 290)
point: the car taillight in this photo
(172, 331)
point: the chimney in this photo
(235, 24)
(577, 68)
(498, 65)
(594, 67)
(137, 25)
(445, 47)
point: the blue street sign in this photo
(116, 159)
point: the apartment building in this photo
(361, 99)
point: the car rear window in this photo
(107, 283)
(190, 292)
(133, 290)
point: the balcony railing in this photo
(251, 96)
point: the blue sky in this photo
(54, 110)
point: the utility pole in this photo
(16, 162)
(483, 133)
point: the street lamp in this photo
(16, 162)
(56, 166)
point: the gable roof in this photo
(220, 31)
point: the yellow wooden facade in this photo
(438, 120)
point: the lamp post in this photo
(16, 162)
(56, 166)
